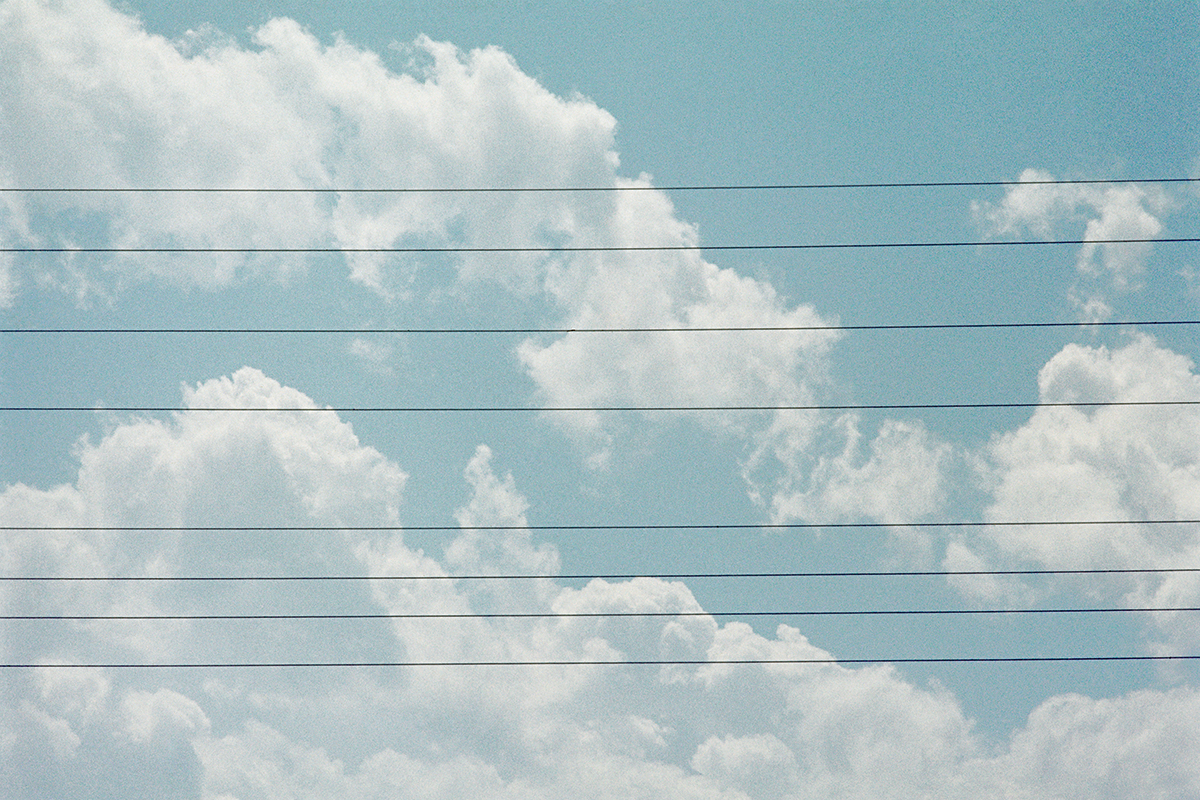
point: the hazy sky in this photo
(641, 101)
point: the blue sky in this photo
(533, 95)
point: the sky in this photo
(123, 457)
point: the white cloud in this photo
(93, 100)
(1139, 745)
(801, 464)
(761, 766)
(1106, 463)
(1124, 211)
(8, 282)
(640, 290)
(496, 502)
(375, 355)
(147, 714)
(103, 103)
(199, 468)
(704, 731)
(900, 478)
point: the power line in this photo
(594, 576)
(615, 188)
(875, 612)
(661, 329)
(593, 248)
(577, 409)
(615, 663)
(633, 526)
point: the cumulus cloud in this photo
(1108, 212)
(93, 100)
(800, 464)
(703, 730)
(1139, 745)
(1107, 463)
(297, 468)
(103, 103)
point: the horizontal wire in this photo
(597, 248)
(671, 329)
(636, 526)
(576, 409)
(615, 188)
(593, 576)
(875, 612)
(616, 663)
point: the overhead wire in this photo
(871, 612)
(657, 662)
(651, 248)
(914, 326)
(630, 526)
(611, 576)
(631, 187)
(180, 250)
(623, 408)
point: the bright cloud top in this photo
(92, 100)
(105, 104)
(792, 731)
(1107, 463)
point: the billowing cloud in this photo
(1139, 745)
(673, 369)
(1119, 463)
(705, 730)
(1108, 212)
(103, 103)
(92, 100)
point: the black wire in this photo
(596, 248)
(697, 329)
(624, 188)
(619, 576)
(636, 662)
(573, 409)
(597, 614)
(685, 526)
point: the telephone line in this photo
(593, 576)
(606, 526)
(577, 409)
(591, 614)
(660, 329)
(717, 187)
(615, 663)
(596, 248)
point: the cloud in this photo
(1106, 463)
(708, 730)
(1123, 211)
(103, 103)
(100, 101)
(801, 464)
(1139, 745)
(299, 468)
(93, 100)
(374, 355)
(901, 477)
(682, 368)
(82, 737)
